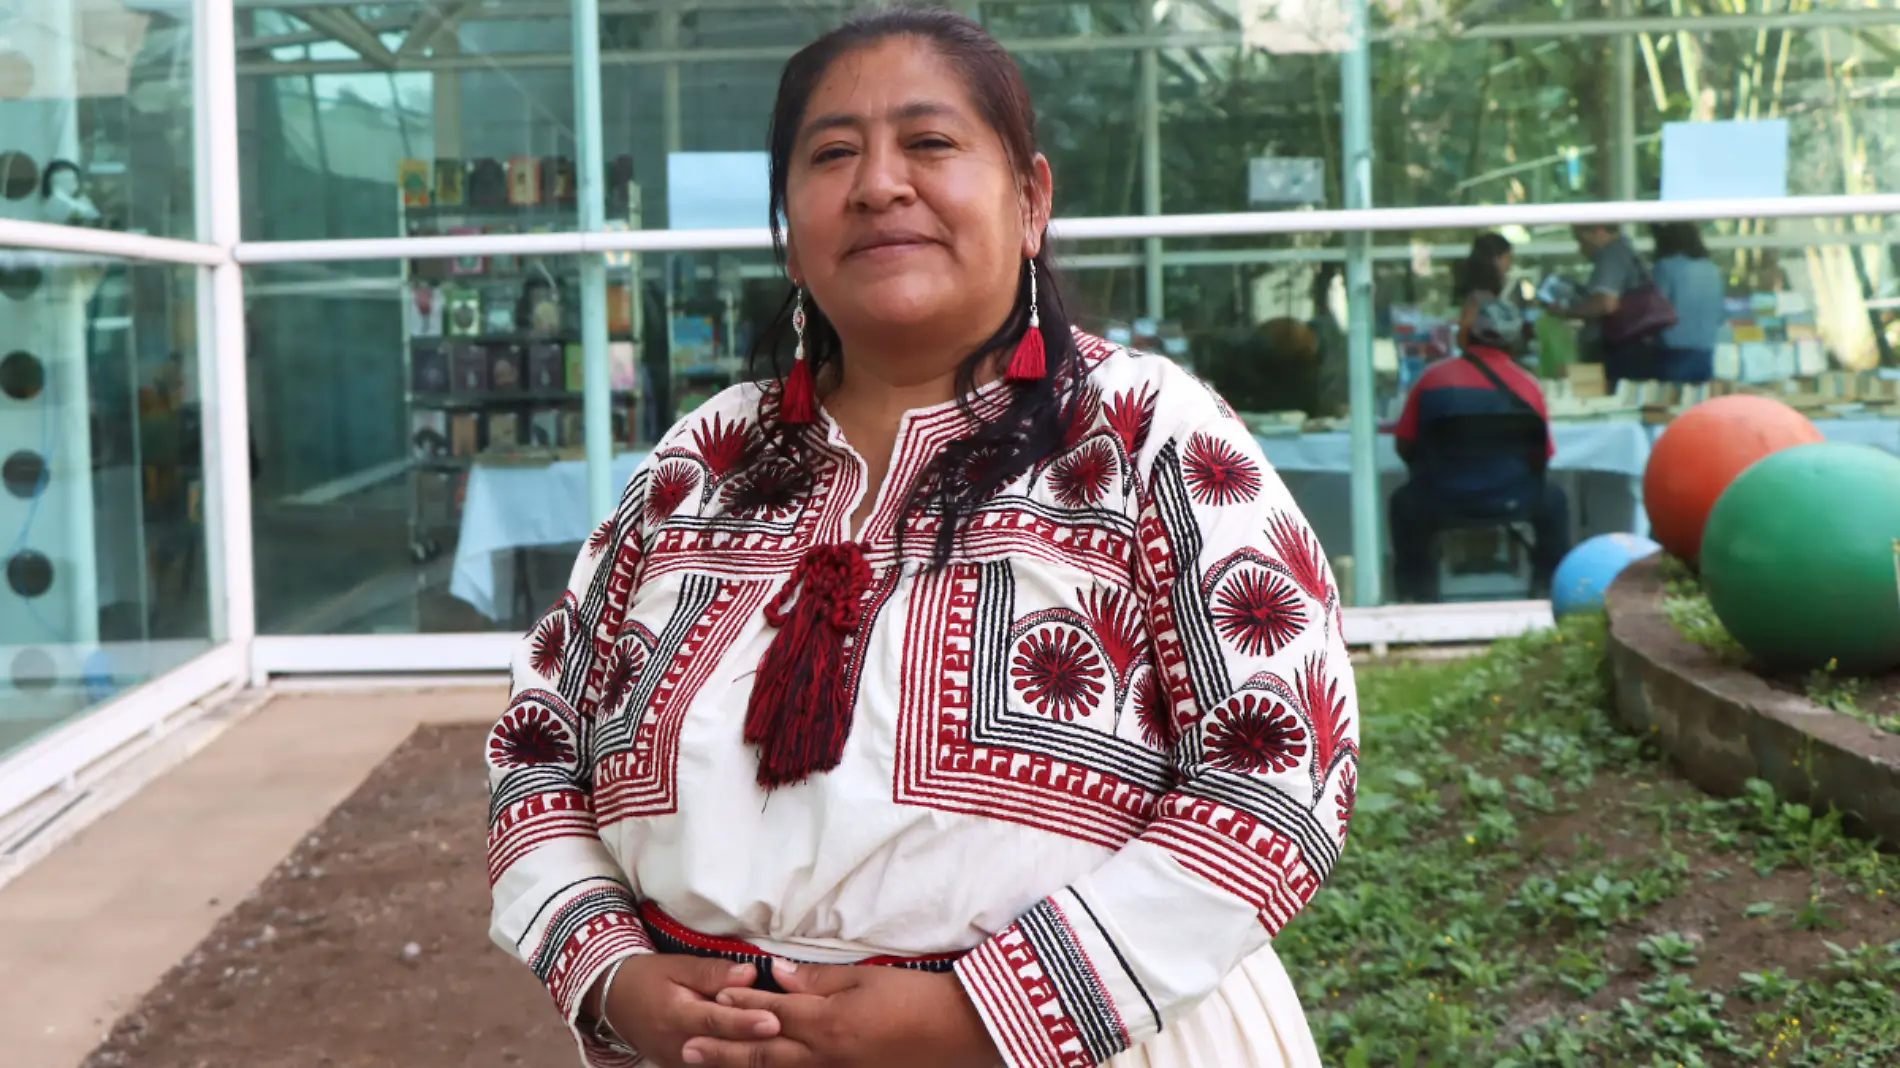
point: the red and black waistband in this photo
(671, 936)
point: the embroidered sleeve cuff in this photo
(1054, 991)
(596, 928)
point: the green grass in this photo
(1527, 886)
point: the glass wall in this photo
(409, 118)
(96, 114)
(1802, 309)
(419, 432)
(103, 510)
(358, 115)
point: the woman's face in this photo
(902, 208)
(1504, 264)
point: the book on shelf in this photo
(545, 314)
(619, 309)
(694, 342)
(547, 367)
(422, 312)
(502, 263)
(504, 368)
(544, 428)
(468, 369)
(413, 178)
(461, 311)
(448, 182)
(576, 367)
(487, 184)
(504, 430)
(428, 434)
(558, 182)
(498, 309)
(524, 181)
(465, 434)
(622, 363)
(573, 428)
(461, 265)
(429, 369)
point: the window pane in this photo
(1802, 309)
(420, 427)
(96, 113)
(103, 514)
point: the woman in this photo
(1696, 290)
(969, 693)
(1479, 279)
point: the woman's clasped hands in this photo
(683, 1011)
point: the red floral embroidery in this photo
(768, 490)
(1132, 416)
(602, 537)
(1082, 478)
(1259, 612)
(1154, 714)
(1117, 626)
(549, 647)
(1217, 473)
(672, 484)
(1088, 412)
(529, 735)
(1294, 542)
(1348, 797)
(723, 446)
(1058, 673)
(1325, 708)
(628, 662)
(1254, 733)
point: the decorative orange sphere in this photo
(1702, 451)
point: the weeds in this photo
(1458, 930)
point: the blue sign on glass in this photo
(717, 190)
(1725, 160)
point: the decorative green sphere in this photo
(1801, 559)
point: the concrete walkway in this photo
(88, 930)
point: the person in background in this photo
(1479, 279)
(1437, 493)
(1615, 270)
(1695, 288)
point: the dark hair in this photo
(1679, 239)
(1478, 272)
(1036, 420)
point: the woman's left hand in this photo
(855, 1017)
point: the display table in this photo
(1600, 465)
(515, 507)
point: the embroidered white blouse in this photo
(1099, 758)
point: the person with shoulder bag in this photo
(1624, 312)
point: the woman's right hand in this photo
(659, 1001)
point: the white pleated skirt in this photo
(1252, 1020)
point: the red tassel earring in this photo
(798, 405)
(1030, 363)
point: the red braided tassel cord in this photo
(800, 712)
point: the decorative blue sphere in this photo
(1586, 573)
(96, 674)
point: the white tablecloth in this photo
(1617, 447)
(1600, 465)
(509, 507)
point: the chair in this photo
(1453, 443)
